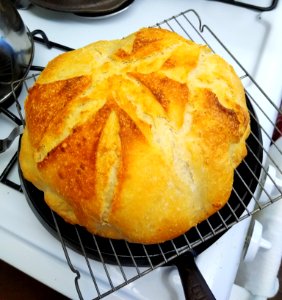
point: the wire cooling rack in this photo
(113, 272)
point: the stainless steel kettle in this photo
(16, 50)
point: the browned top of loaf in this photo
(136, 138)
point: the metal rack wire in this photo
(113, 257)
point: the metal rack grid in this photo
(109, 277)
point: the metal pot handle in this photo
(7, 142)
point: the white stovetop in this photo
(255, 41)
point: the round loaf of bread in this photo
(137, 138)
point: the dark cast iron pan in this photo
(121, 252)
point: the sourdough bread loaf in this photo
(137, 138)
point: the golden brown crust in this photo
(137, 138)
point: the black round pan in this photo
(190, 244)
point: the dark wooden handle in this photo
(194, 284)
